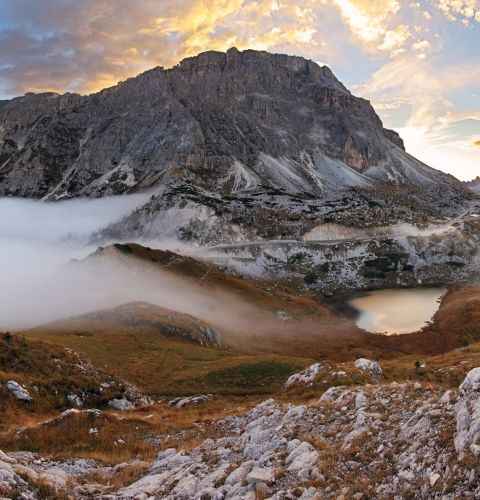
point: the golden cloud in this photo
(370, 23)
(466, 10)
(103, 41)
(477, 143)
(95, 43)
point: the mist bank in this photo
(37, 241)
(46, 275)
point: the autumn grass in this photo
(50, 373)
(71, 436)
(127, 475)
(160, 365)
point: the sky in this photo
(417, 61)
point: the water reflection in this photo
(397, 311)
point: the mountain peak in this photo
(221, 121)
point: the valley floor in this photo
(92, 414)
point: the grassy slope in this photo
(148, 358)
(187, 427)
(160, 365)
(139, 429)
(251, 324)
(49, 373)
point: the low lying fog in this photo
(37, 240)
(40, 281)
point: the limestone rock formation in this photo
(18, 391)
(218, 124)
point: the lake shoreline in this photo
(368, 314)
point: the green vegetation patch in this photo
(258, 377)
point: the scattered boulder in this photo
(360, 400)
(335, 394)
(18, 391)
(467, 414)
(261, 475)
(238, 475)
(368, 366)
(310, 494)
(75, 400)
(306, 377)
(283, 315)
(471, 382)
(302, 459)
(121, 404)
(9, 479)
(445, 399)
(191, 400)
(433, 479)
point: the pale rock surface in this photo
(18, 391)
(467, 411)
(382, 440)
(121, 404)
(306, 377)
(187, 401)
(368, 366)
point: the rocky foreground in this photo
(374, 441)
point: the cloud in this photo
(464, 10)
(407, 76)
(85, 46)
(421, 92)
(425, 85)
(40, 283)
(421, 46)
(367, 19)
(437, 149)
(394, 40)
(476, 143)
(38, 239)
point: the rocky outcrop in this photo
(380, 441)
(243, 117)
(467, 410)
(474, 185)
(306, 377)
(217, 124)
(165, 321)
(18, 391)
(121, 404)
(188, 401)
(368, 366)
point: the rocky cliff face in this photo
(224, 121)
(234, 146)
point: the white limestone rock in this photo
(303, 460)
(121, 404)
(368, 366)
(18, 391)
(75, 400)
(190, 400)
(471, 382)
(306, 377)
(467, 436)
(445, 399)
(360, 400)
(467, 414)
(261, 475)
(238, 475)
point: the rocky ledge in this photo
(375, 441)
